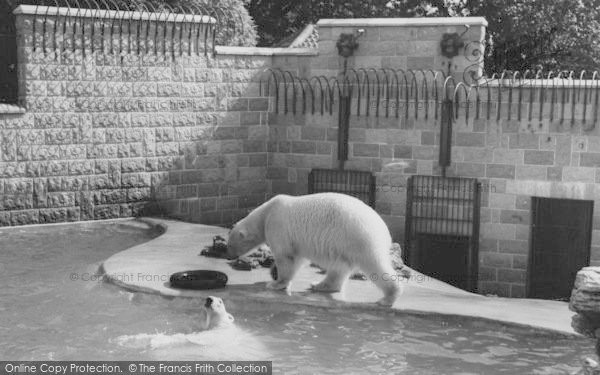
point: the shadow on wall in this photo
(104, 134)
(213, 170)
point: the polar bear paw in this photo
(386, 301)
(390, 297)
(324, 287)
(278, 285)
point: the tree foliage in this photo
(277, 19)
(522, 34)
(236, 28)
(554, 35)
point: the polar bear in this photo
(213, 317)
(336, 231)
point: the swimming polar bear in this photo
(213, 316)
(336, 231)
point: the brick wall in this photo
(103, 134)
(400, 43)
(513, 160)
(538, 150)
(109, 135)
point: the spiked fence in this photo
(565, 97)
(112, 28)
(197, 24)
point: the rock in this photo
(397, 263)
(586, 291)
(590, 367)
(585, 301)
(243, 264)
(583, 326)
(396, 255)
(358, 276)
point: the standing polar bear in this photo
(336, 231)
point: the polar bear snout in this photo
(215, 314)
(214, 303)
(240, 242)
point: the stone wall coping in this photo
(558, 83)
(265, 51)
(7, 109)
(111, 14)
(420, 21)
(303, 36)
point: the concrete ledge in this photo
(147, 267)
(420, 21)
(265, 51)
(11, 109)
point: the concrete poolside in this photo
(147, 267)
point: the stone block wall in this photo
(104, 134)
(513, 160)
(547, 150)
(401, 43)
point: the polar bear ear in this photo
(243, 233)
(230, 317)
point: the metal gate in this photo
(442, 228)
(355, 183)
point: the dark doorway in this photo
(445, 257)
(561, 232)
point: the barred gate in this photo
(355, 183)
(442, 228)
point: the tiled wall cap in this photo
(421, 21)
(525, 83)
(265, 51)
(111, 14)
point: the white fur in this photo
(230, 342)
(215, 315)
(215, 342)
(335, 231)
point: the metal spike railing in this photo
(135, 27)
(565, 97)
(379, 92)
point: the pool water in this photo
(46, 313)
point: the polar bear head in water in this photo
(215, 315)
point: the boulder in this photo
(585, 297)
(585, 302)
(397, 263)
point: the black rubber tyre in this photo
(198, 279)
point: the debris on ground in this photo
(217, 250)
(260, 257)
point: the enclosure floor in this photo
(147, 267)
